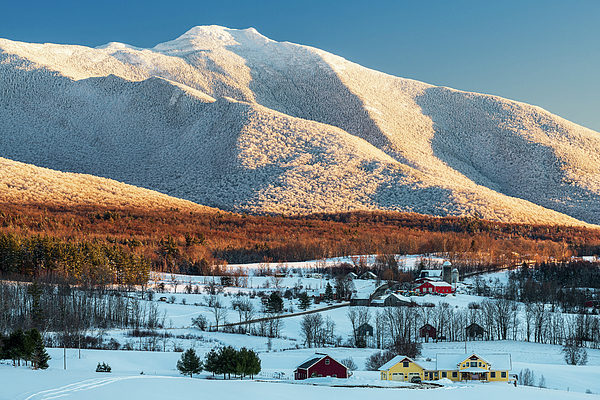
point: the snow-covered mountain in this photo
(234, 120)
(27, 184)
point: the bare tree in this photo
(311, 326)
(217, 308)
(358, 316)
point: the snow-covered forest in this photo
(231, 119)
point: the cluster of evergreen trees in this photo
(225, 360)
(83, 262)
(27, 346)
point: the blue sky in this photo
(542, 52)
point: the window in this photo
(479, 364)
(473, 363)
(334, 375)
(327, 361)
(455, 374)
(444, 374)
(492, 374)
(503, 374)
(320, 376)
(405, 364)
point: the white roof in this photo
(392, 362)
(438, 283)
(426, 365)
(381, 300)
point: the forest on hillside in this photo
(121, 246)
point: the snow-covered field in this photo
(160, 379)
(152, 375)
(231, 119)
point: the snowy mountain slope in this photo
(22, 183)
(293, 129)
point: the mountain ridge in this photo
(234, 120)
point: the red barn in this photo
(320, 365)
(434, 287)
(427, 331)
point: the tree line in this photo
(72, 310)
(225, 361)
(194, 243)
(27, 346)
(81, 262)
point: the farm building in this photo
(391, 300)
(456, 367)
(434, 287)
(368, 275)
(320, 365)
(474, 331)
(427, 331)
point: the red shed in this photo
(320, 365)
(434, 287)
(427, 331)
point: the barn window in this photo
(327, 361)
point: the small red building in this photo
(434, 287)
(427, 331)
(320, 365)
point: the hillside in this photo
(27, 184)
(231, 119)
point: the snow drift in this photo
(234, 120)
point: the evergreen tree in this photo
(35, 291)
(227, 361)
(40, 356)
(15, 347)
(275, 303)
(304, 301)
(248, 363)
(190, 363)
(328, 297)
(3, 355)
(211, 362)
(33, 340)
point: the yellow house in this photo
(456, 367)
(402, 368)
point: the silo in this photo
(447, 272)
(454, 276)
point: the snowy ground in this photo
(160, 379)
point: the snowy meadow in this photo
(139, 374)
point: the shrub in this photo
(103, 367)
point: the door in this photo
(398, 376)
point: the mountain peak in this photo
(212, 36)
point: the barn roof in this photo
(315, 359)
(310, 362)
